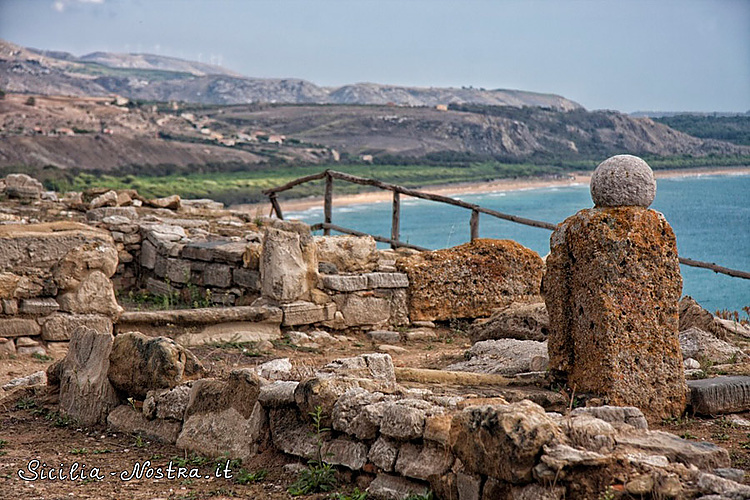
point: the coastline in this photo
(500, 185)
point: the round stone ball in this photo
(623, 181)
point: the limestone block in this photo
(23, 187)
(704, 455)
(36, 378)
(215, 251)
(85, 391)
(347, 253)
(524, 321)
(170, 202)
(384, 336)
(375, 367)
(169, 404)
(288, 266)
(388, 487)
(7, 347)
(148, 255)
(17, 327)
(139, 364)
(39, 306)
(8, 284)
(405, 419)
(98, 214)
(177, 270)
(470, 280)
(10, 306)
(629, 415)
(246, 278)
(219, 275)
(359, 413)
(361, 310)
(342, 451)
(108, 199)
(387, 280)
(127, 419)
(78, 263)
(611, 288)
(344, 283)
(277, 394)
(225, 417)
(715, 396)
(504, 440)
(422, 461)
(95, 295)
(698, 344)
(306, 313)
(290, 433)
(383, 454)
(60, 327)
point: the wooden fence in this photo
(327, 226)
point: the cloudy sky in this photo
(681, 55)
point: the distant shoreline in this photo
(458, 189)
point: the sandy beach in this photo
(576, 178)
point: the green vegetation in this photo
(319, 476)
(734, 129)
(245, 477)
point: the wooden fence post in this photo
(474, 224)
(328, 203)
(276, 206)
(396, 218)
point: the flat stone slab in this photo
(712, 396)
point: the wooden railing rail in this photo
(327, 226)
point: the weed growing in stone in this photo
(25, 403)
(41, 358)
(319, 476)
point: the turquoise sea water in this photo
(710, 215)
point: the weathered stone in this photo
(75, 266)
(361, 310)
(8, 285)
(26, 342)
(306, 313)
(347, 253)
(711, 483)
(692, 315)
(589, 433)
(59, 327)
(468, 487)
(95, 295)
(108, 199)
(504, 440)
(127, 419)
(171, 202)
(383, 454)
(224, 417)
(148, 255)
(704, 455)
(215, 251)
(246, 278)
(611, 289)
(419, 334)
(384, 336)
(517, 321)
(714, 396)
(9, 306)
(322, 392)
(342, 451)
(167, 404)
(505, 357)
(375, 367)
(736, 475)
(629, 415)
(291, 434)
(217, 275)
(278, 394)
(387, 487)
(23, 187)
(344, 283)
(98, 214)
(17, 327)
(422, 461)
(358, 413)
(276, 369)
(7, 347)
(161, 234)
(31, 350)
(139, 364)
(386, 280)
(470, 280)
(176, 270)
(698, 344)
(405, 419)
(36, 378)
(288, 267)
(85, 391)
(623, 180)
(39, 306)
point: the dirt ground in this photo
(31, 429)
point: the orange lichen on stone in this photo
(471, 280)
(612, 288)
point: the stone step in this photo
(205, 325)
(713, 396)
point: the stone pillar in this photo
(612, 287)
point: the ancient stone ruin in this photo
(495, 424)
(612, 289)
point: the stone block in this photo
(246, 278)
(359, 413)
(177, 270)
(148, 255)
(59, 327)
(219, 275)
(704, 455)
(520, 321)
(10, 306)
(126, 419)
(341, 451)
(167, 404)
(344, 283)
(159, 287)
(715, 396)
(422, 461)
(387, 280)
(470, 280)
(347, 253)
(17, 327)
(388, 487)
(278, 394)
(612, 288)
(288, 265)
(306, 313)
(39, 306)
(7, 347)
(615, 415)
(405, 419)
(215, 251)
(95, 295)
(384, 336)
(383, 454)
(361, 310)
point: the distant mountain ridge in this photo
(161, 78)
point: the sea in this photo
(710, 215)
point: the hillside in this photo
(158, 78)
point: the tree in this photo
(31, 101)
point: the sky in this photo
(627, 55)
